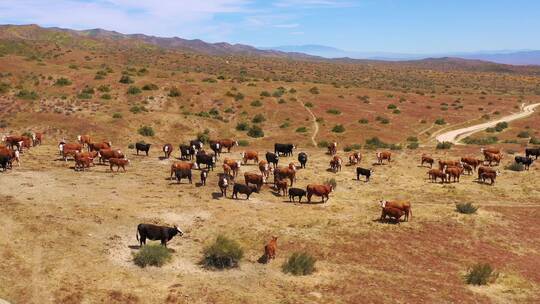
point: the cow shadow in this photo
(162, 158)
(199, 184)
(217, 195)
(263, 259)
(276, 193)
(331, 170)
(387, 221)
(134, 246)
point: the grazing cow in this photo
(106, 154)
(385, 155)
(99, 146)
(332, 148)
(532, 151)
(473, 162)
(490, 150)
(255, 179)
(228, 143)
(37, 138)
(227, 170)
(272, 158)
(281, 186)
(11, 155)
(154, 233)
(223, 184)
(67, 152)
(355, 158)
(12, 140)
(526, 161)
(142, 147)
(92, 155)
(5, 162)
(204, 176)
(468, 168)
(284, 173)
(208, 160)
(187, 152)
(270, 249)
(243, 189)
(284, 149)
(335, 163)
(167, 150)
(69, 146)
(489, 175)
(250, 155)
(448, 163)
(454, 172)
(183, 173)
(296, 192)
(319, 190)
(302, 158)
(233, 165)
(265, 169)
(197, 144)
(428, 160)
(118, 162)
(392, 213)
(181, 166)
(84, 140)
(216, 147)
(26, 143)
(364, 172)
(483, 169)
(438, 173)
(492, 158)
(401, 205)
(82, 162)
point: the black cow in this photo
(532, 151)
(4, 162)
(183, 173)
(197, 144)
(208, 160)
(272, 158)
(216, 147)
(243, 189)
(302, 158)
(154, 233)
(363, 172)
(526, 161)
(285, 149)
(296, 192)
(187, 152)
(142, 147)
(204, 176)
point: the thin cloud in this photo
(313, 3)
(291, 25)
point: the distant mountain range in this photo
(517, 57)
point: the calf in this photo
(208, 160)
(385, 155)
(154, 233)
(319, 190)
(250, 155)
(332, 148)
(281, 186)
(142, 147)
(187, 152)
(233, 165)
(204, 176)
(118, 162)
(83, 162)
(427, 159)
(243, 189)
(270, 249)
(256, 179)
(167, 150)
(364, 172)
(355, 158)
(223, 184)
(335, 163)
(296, 192)
(67, 152)
(402, 205)
(532, 152)
(489, 175)
(272, 158)
(284, 173)
(183, 173)
(302, 158)
(265, 169)
(526, 161)
(471, 161)
(392, 213)
(37, 138)
(483, 169)
(468, 168)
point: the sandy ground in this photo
(455, 136)
(68, 237)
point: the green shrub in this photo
(382, 120)
(524, 134)
(353, 147)
(331, 181)
(137, 109)
(142, 71)
(4, 87)
(308, 105)
(534, 141)
(131, 146)
(301, 130)
(265, 94)
(499, 127)
(375, 143)
(152, 255)
(466, 208)
(150, 87)
(396, 147)
(285, 125)
(242, 126)
(515, 167)
(146, 131)
(314, 90)
(27, 95)
(481, 141)
(125, 79)
(339, 128)
(333, 111)
(174, 92)
(106, 96)
(133, 90)
(363, 121)
(243, 143)
(209, 80)
(255, 131)
(256, 103)
(299, 263)
(258, 118)
(322, 144)
(440, 121)
(62, 82)
(412, 139)
(480, 274)
(396, 111)
(239, 96)
(104, 88)
(413, 145)
(222, 254)
(117, 115)
(445, 145)
(391, 106)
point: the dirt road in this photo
(455, 136)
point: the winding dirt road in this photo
(315, 123)
(455, 136)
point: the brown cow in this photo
(234, 166)
(85, 140)
(319, 190)
(491, 150)
(250, 155)
(355, 158)
(283, 173)
(489, 175)
(335, 163)
(385, 155)
(181, 166)
(26, 143)
(281, 186)
(37, 138)
(265, 168)
(69, 146)
(67, 152)
(99, 146)
(392, 212)
(483, 169)
(332, 148)
(167, 150)
(106, 154)
(256, 179)
(83, 162)
(473, 162)
(92, 155)
(468, 168)
(403, 205)
(492, 158)
(228, 143)
(270, 249)
(118, 162)
(437, 173)
(12, 154)
(12, 140)
(427, 159)
(448, 163)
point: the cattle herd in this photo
(193, 156)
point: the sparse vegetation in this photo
(242, 126)
(524, 134)
(125, 79)
(333, 111)
(480, 141)
(363, 121)
(466, 208)
(299, 263)
(258, 118)
(255, 131)
(146, 131)
(301, 130)
(174, 92)
(445, 145)
(256, 103)
(27, 95)
(515, 167)
(152, 255)
(133, 90)
(243, 143)
(339, 128)
(314, 90)
(440, 121)
(375, 143)
(62, 81)
(480, 274)
(150, 87)
(222, 254)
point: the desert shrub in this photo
(152, 255)
(292, 90)
(243, 143)
(258, 118)
(314, 90)
(27, 95)
(213, 112)
(133, 90)
(352, 147)
(299, 263)
(239, 96)
(396, 111)
(363, 121)
(150, 87)
(4, 87)
(209, 80)
(255, 131)
(3, 124)
(375, 143)
(242, 126)
(62, 81)
(308, 105)
(301, 130)
(331, 181)
(265, 94)
(466, 208)
(534, 141)
(491, 130)
(480, 274)
(339, 128)
(282, 101)
(256, 103)
(499, 127)
(480, 141)
(382, 120)
(445, 145)
(322, 144)
(223, 253)
(131, 146)
(142, 71)
(137, 109)
(146, 131)
(333, 111)
(524, 134)
(395, 147)
(515, 167)
(174, 92)
(412, 139)
(413, 145)
(440, 121)
(391, 106)
(104, 88)
(125, 79)
(117, 115)
(204, 136)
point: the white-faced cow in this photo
(167, 150)
(319, 190)
(272, 158)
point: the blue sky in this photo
(404, 26)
